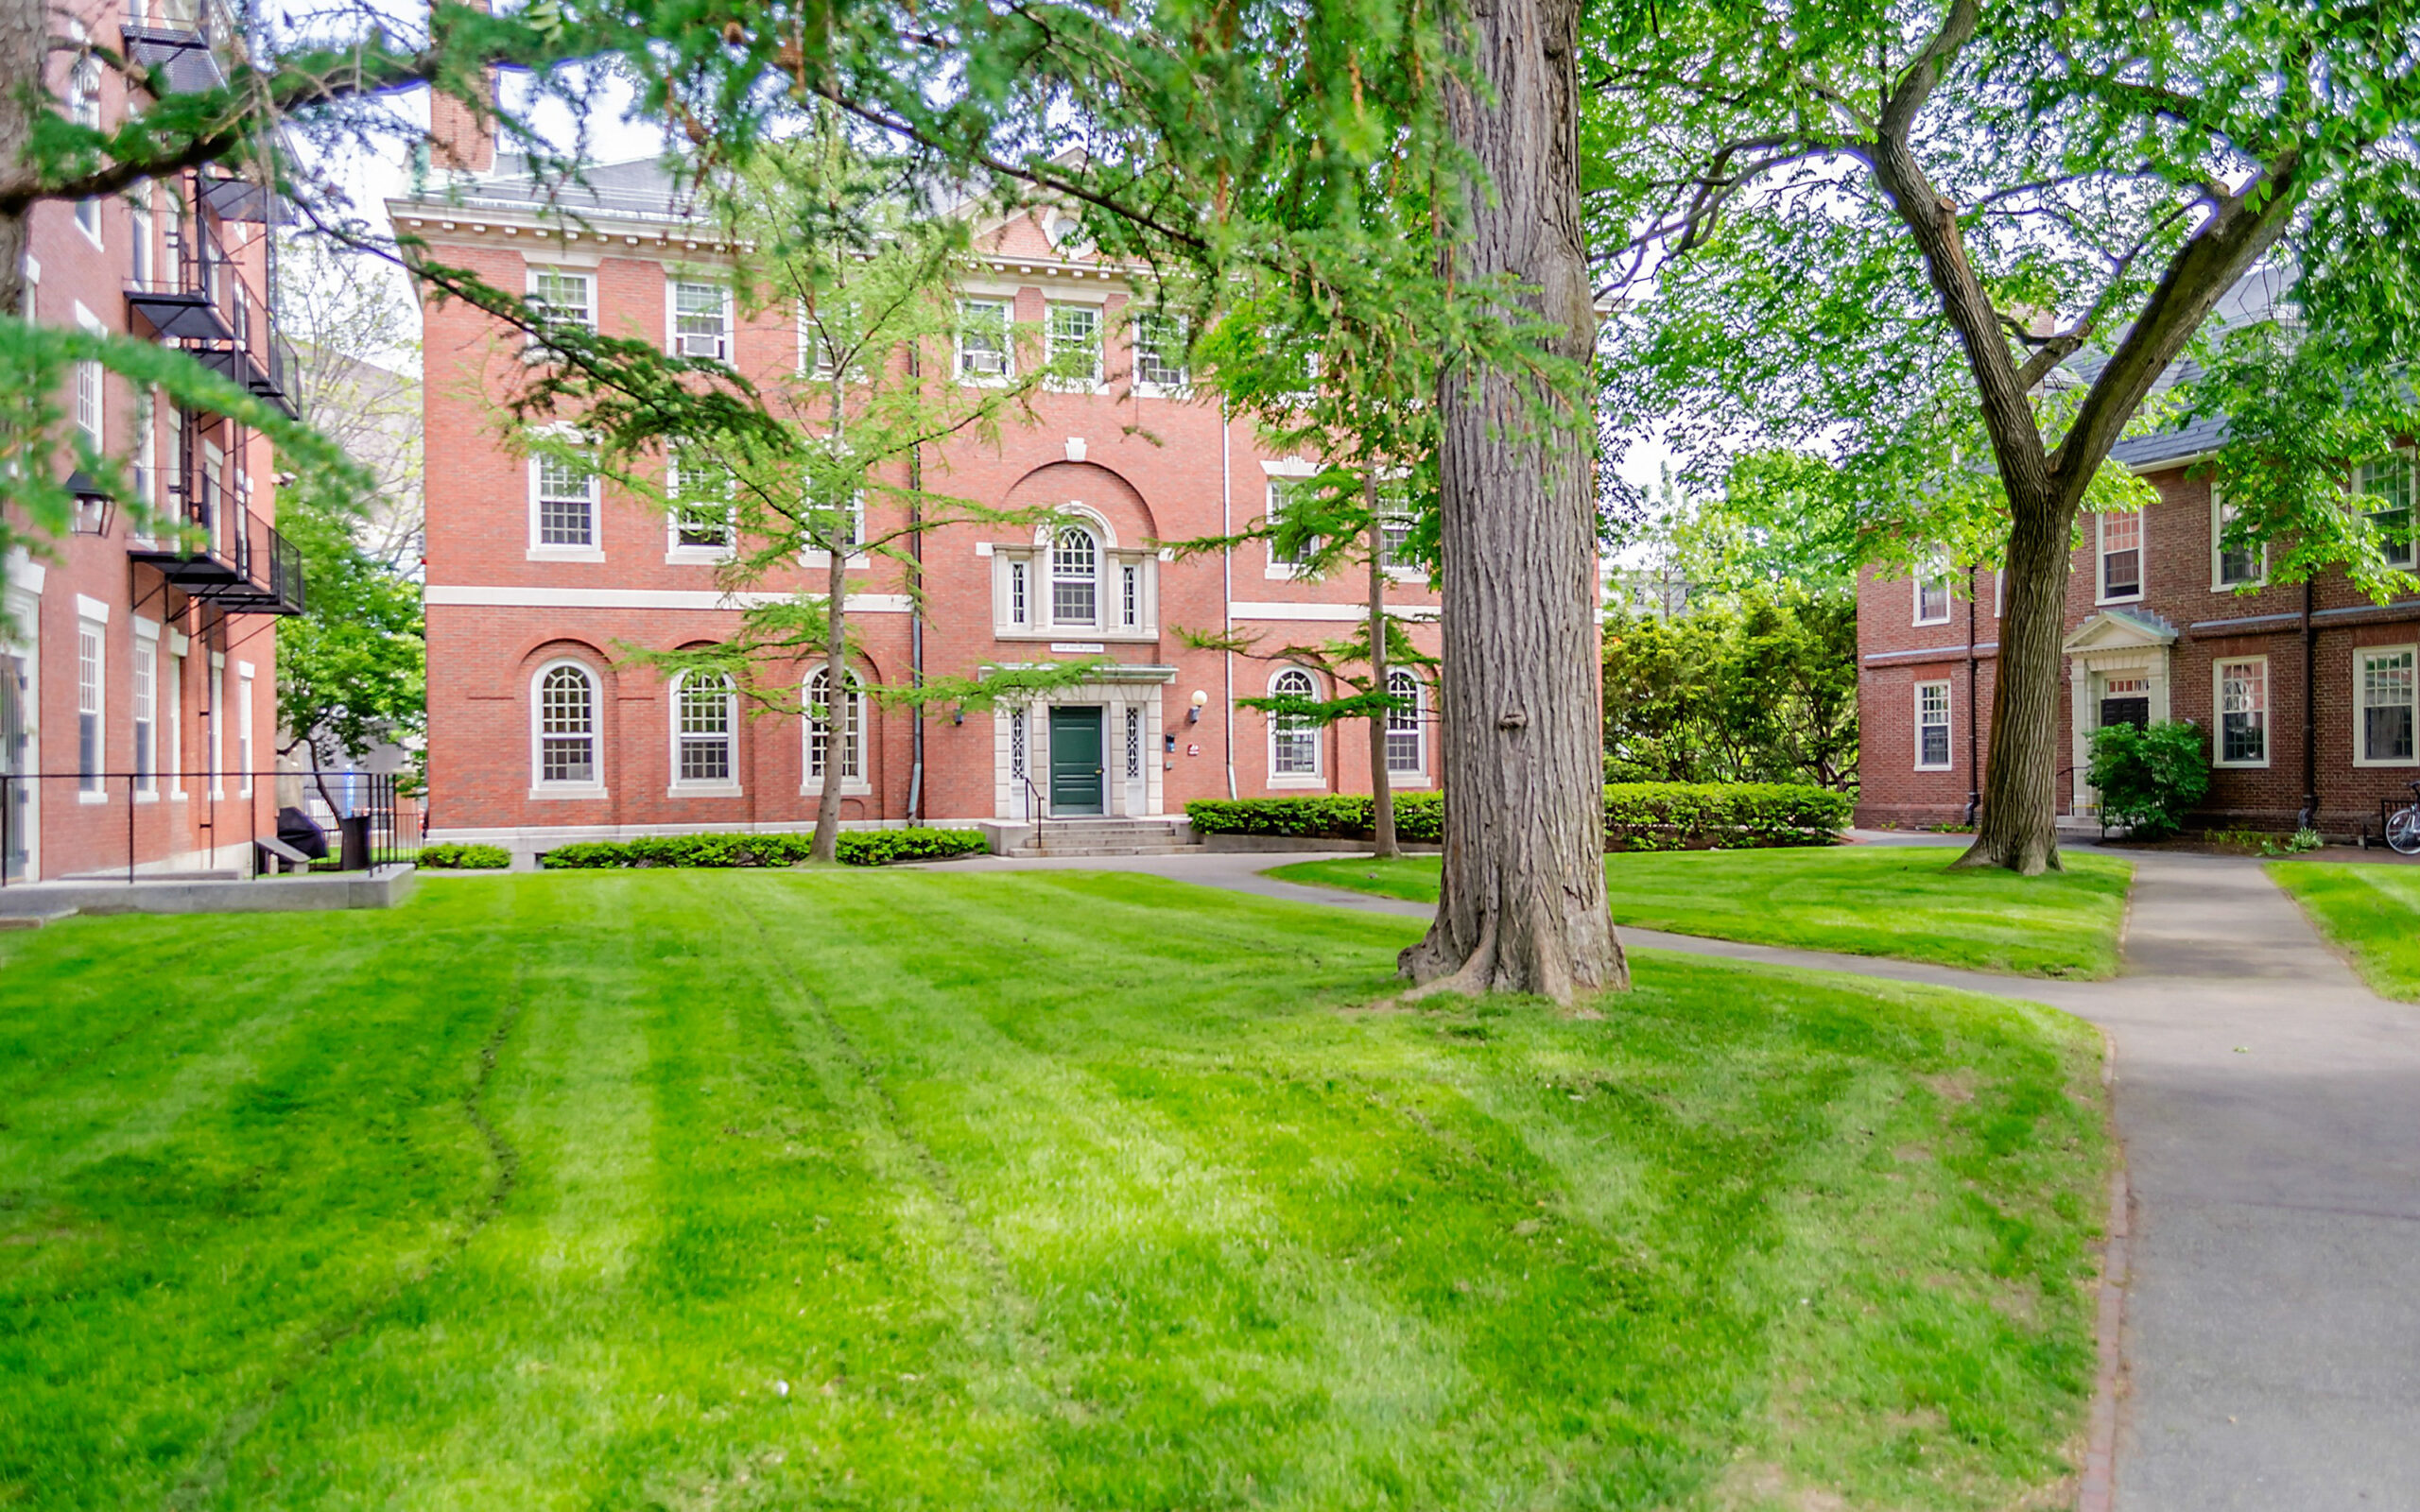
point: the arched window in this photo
(852, 727)
(1403, 724)
(566, 716)
(1075, 578)
(1293, 739)
(701, 725)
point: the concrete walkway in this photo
(2270, 1105)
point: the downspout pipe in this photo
(1227, 581)
(1973, 772)
(915, 617)
(2308, 818)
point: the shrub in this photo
(1639, 816)
(453, 857)
(1721, 815)
(2149, 778)
(858, 848)
(1419, 817)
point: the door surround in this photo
(2121, 645)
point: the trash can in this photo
(353, 843)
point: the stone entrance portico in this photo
(1128, 697)
(2118, 664)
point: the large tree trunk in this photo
(2018, 829)
(1382, 795)
(836, 704)
(1523, 903)
(24, 31)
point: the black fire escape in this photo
(199, 301)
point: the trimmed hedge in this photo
(1419, 817)
(1721, 815)
(858, 847)
(453, 857)
(1639, 816)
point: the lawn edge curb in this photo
(2097, 1489)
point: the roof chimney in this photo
(461, 134)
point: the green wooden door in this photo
(1075, 760)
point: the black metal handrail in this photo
(382, 835)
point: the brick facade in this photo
(2173, 637)
(185, 676)
(1143, 468)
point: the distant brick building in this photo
(2308, 692)
(536, 581)
(138, 669)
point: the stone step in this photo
(35, 921)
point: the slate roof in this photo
(2254, 298)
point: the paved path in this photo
(2270, 1105)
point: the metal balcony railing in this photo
(241, 563)
(199, 300)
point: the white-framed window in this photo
(564, 297)
(2232, 567)
(244, 729)
(1074, 577)
(1075, 345)
(703, 524)
(1130, 595)
(821, 333)
(2382, 706)
(563, 729)
(1159, 350)
(704, 714)
(984, 356)
(2387, 481)
(1018, 611)
(92, 672)
(172, 721)
(146, 715)
(562, 503)
(817, 701)
(1933, 598)
(1406, 753)
(89, 417)
(700, 319)
(1932, 727)
(1395, 543)
(84, 87)
(1017, 745)
(1285, 561)
(2243, 712)
(147, 446)
(1133, 741)
(138, 234)
(214, 718)
(88, 219)
(559, 298)
(1293, 739)
(2121, 556)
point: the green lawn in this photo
(2371, 910)
(1043, 1191)
(1900, 901)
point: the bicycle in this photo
(2403, 825)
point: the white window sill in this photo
(1406, 574)
(565, 554)
(1921, 623)
(850, 787)
(1073, 633)
(2123, 598)
(176, 795)
(1944, 767)
(1287, 571)
(1095, 387)
(566, 790)
(2406, 761)
(2260, 765)
(147, 798)
(1303, 780)
(697, 555)
(1407, 779)
(824, 559)
(702, 790)
(82, 797)
(1143, 390)
(970, 379)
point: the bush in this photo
(2149, 777)
(451, 857)
(858, 847)
(1721, 815)
(1639, 816)
(1419, 817)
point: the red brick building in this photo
(138, 672)
(2307, 693)
(537, 580)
